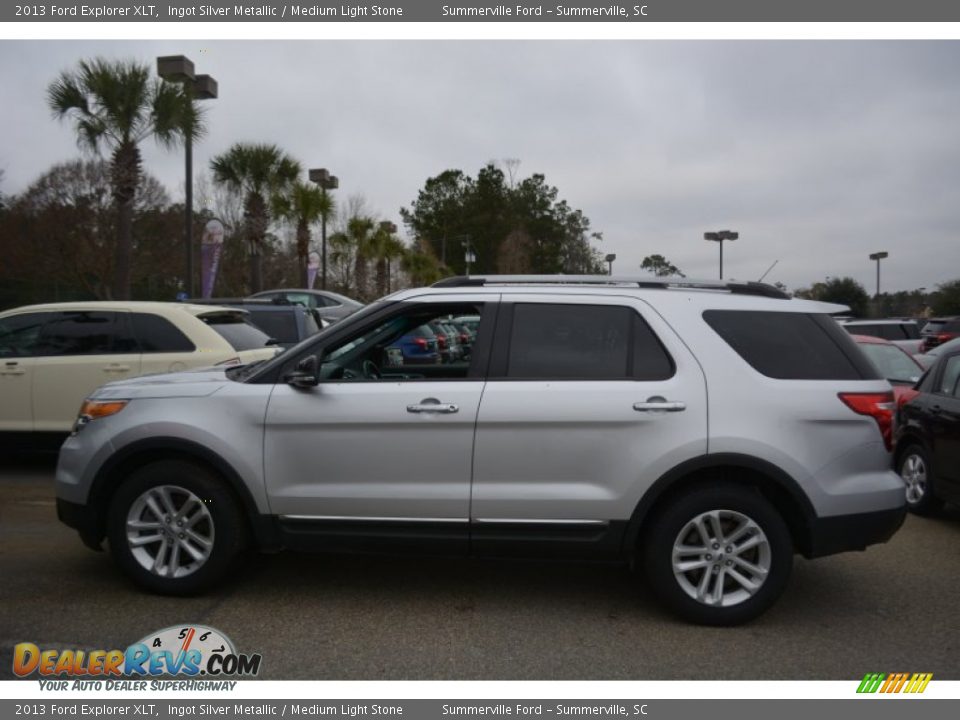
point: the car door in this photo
(943, 420)
(79, 351)
(378, 442)
(589, 399)
(18, 339)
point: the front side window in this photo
(584, 342)
(948, 384)
(401, 347)
(19, 334)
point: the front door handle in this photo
(432, 405)
(116, 368)
(659, 404)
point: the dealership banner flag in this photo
(313, 265)
(211, 246)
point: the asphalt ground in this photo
(893, 608)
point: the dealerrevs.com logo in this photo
(179, 650)
(894, 683)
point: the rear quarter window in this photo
(792, 346)
(237, 331)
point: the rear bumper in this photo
(841, 533)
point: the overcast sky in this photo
(817, 152)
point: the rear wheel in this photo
(718, 555)
(175, 528)
(914, 469)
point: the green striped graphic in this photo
(871, 682)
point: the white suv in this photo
(53, 356)
(707, 431)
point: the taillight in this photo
(463, 338)
(420, 343)
(879, 406)
(944, 337)
(441, 341)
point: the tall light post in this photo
(878, 256)
(469, 256)
(179, 69)
(719, 237)
(326, 181)
(609, 259)
(390, 229)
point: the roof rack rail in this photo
(647, 283)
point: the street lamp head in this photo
(611, 257)
(319, 175)
(721, 235)
(879, 255)
(175, 68)
(333, 183)
(204, 87)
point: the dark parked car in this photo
(417, 347)
(286, 323)
(928, 438)
(938, 331)
(331, 306)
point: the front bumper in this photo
(82, 519)
(841, 533)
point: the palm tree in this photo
(386, 249)
(303, 205)
(360, 233)
(115, 105)
(258, 172)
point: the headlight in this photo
(94, 409)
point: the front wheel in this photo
(174, 527)
(718, 555)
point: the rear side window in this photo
(237, 331)
(87, 333)
(792, 346)
(587, 342)
(156, 334)
(19, 334)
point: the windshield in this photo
(894, 364)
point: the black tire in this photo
(224, 526)
(768, 535)
(913, 465)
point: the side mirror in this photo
(306, 374)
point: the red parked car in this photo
(894, 363)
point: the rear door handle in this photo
(12, 368)
(659, 404)
(116, 368)
(432, 405)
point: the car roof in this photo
(119, 305)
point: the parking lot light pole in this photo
(609, 259)
(326, 181)
(390, 229)
(719, 237)
(179, 69)
(878, 256)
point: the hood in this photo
(189, 383)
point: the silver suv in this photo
(706, 432)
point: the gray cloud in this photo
(818, 152)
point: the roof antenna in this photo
(768, 271)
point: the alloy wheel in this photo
(721, 558)
(914, 474)
(170, 531)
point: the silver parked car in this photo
(708, 431)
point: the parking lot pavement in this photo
(892, 608)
